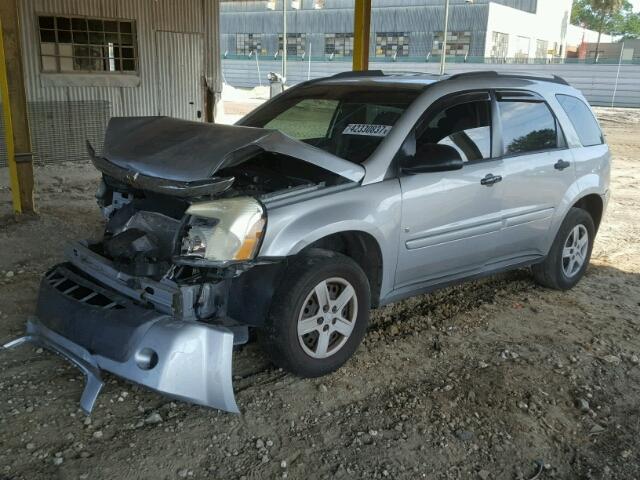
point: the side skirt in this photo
(430, 286)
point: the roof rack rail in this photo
(493, 73)
(355, 74)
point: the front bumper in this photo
(96, 329)
(185, 361)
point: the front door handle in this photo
(561, 165)
(490, 179)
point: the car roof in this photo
(420, 80)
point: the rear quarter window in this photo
(582, 119)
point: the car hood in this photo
(186, 152)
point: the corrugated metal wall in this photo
(62, 102)
(179, 61)
(597, 82)
(419, 19)
(260, 5)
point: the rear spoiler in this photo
(175, 188)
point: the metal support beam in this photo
(14, 105)
(361, 30)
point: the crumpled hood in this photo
(185, 151)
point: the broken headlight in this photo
(224, 230)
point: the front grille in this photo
(81, 293)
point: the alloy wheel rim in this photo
(327, 317)
(574, 253)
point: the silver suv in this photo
(337, 196)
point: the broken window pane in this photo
(81, 44)
(63, 23)
(46, 22)
(47, 35)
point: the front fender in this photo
(374, 209)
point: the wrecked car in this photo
(337, 196)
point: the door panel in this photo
(450, 223)
(533, 189)
(180, 70)
(538, 170)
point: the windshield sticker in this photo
(366, 129)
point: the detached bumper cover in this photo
(186, 361)
(97, 329)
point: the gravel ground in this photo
(493, 379)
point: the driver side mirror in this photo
(433, 157)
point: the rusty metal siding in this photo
(179, 61)
(74, 103)
(185, 16)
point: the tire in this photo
(557, 271)
(296, 299)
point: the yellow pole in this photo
(8, 129)
(361, 29)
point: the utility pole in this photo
(284, 39)
(443, 59)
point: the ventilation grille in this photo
(80, 293)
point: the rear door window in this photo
(527, 126)
(582, 120)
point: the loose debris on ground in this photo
(495, 379)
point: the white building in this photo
(514, 33)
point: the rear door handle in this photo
(561, 165)
(490, 179)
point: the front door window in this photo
(464, 126)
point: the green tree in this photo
(532, 141)
(631, 26)
(601, 15)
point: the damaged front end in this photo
(176, 279)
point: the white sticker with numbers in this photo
(367, 129)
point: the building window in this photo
(458, 43)
(81, 44)
(522, 49)
(338, 44)
(247, 43)
(295, 44)
(391, 44)
(542, 48)
(499, 45)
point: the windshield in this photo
(347, 121)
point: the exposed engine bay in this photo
(198, 227)
(161, 298)
(145, 230)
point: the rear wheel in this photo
(319, 314)
(570, 253)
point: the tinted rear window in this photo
(582, 119)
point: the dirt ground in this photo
(495, 379)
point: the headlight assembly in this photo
(224, 230)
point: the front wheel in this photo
(570, 253)
(319, 314)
